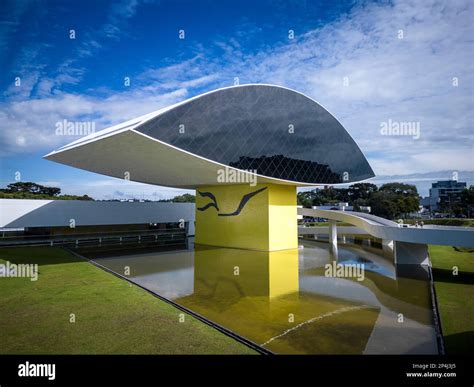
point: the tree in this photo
(51, 191)
(467, 195)
(358, 203)
(329, 195)
(306, 198)
(361, 191)
(185, 198)
(394, 200)
(466, 202)
(32, 188)
(383, 204)
(389, 201)
(400, 189)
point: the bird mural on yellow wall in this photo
(239, 208)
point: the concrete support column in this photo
(190, 230)
(387, 246)
(241, 216)
(332, 233)
(410, 253)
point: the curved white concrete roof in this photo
(138, 148)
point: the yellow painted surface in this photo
(283, 272)
(267, 222)
(283, 226)
(256, 295)
(234, 273)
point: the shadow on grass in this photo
(445, 275)
(37, 255)
(459, 343)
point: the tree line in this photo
(390, 201)
(30, 190)
(185, 198)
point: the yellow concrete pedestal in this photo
(262, 217)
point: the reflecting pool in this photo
(285, 301)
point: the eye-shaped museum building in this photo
(279, 138)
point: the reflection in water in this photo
(244, 273)
(283, 301)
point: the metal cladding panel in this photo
(276, 131)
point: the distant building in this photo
(444, 194)
(425, 202)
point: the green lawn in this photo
(112, 316)
(455, 296)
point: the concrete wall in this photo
(410, 253)
(58, 213)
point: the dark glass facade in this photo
(275, 131)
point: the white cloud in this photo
(30, 125)
(409, 79)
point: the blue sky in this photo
(366, 62)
